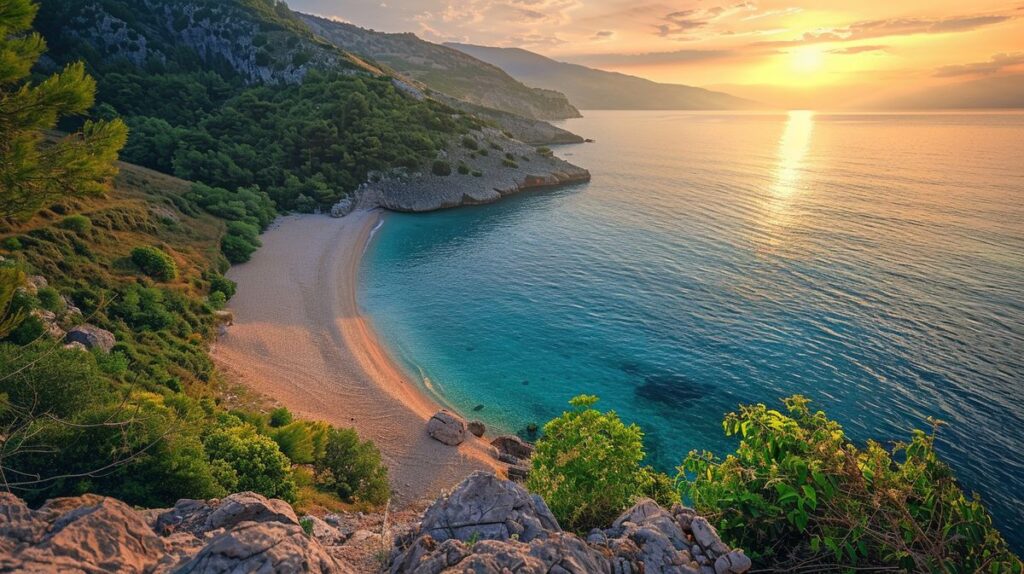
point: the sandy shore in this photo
(298, 337)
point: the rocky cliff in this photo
(492, 167)
(484, 525)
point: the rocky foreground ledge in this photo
(484, 525)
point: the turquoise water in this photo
(872, 262)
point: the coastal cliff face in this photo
(491, 167)
(484, 525)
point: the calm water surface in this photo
(872, 262)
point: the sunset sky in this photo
(786, 52)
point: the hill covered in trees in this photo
(447, 70)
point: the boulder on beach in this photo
(447, 427)
(477, 428)
(513, 446)
(92, 337)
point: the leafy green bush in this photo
(545, 151)
(155, 263)
(253, 459)
(352, 468)
(509, 163)
(469, 142)
(441, 167)
(798, 491)
(50, 299)
(217, 300)
(220, 283)
(280, 417)
(240, 241)
(304, 442)
(477, 173)
(463, 169)
(587, 467)
(30, 329)
(77, 223)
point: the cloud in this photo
(996, 64)
(859, 49)
(651, 58)
(685, 21)
(603, 35)
(868, 29)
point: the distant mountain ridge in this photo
(446, 70)
(588, 88)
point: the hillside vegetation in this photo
(241, 94)
(110, 293)
(447, 70)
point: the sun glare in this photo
(807, 60)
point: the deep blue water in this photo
(872, 262)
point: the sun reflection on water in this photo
(790, 156)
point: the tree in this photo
(352, 468)
(32, 171)
(587, 466)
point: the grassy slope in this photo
(142, 209)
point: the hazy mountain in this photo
(588, 88)
(446, 70)
(995, 92)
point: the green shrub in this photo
(494, 145)
(240, 241)
(441, 167)
(11, 244)
(352, 468)
(463, 169)
(254, 459)
(483, 151)
(477, 173)
(217, 300)
(587, 466)
(29, 330)
(155, 263)
(50, 299)
(77, 223)
(545, 151)
(469, 142)
(280, 417)
(303, 442)
(223, 284)
(798, 491)
(509, 163)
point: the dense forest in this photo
(243, 95)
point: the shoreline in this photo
(299, 338)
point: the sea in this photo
(873, 262)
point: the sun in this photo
(807, 60)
